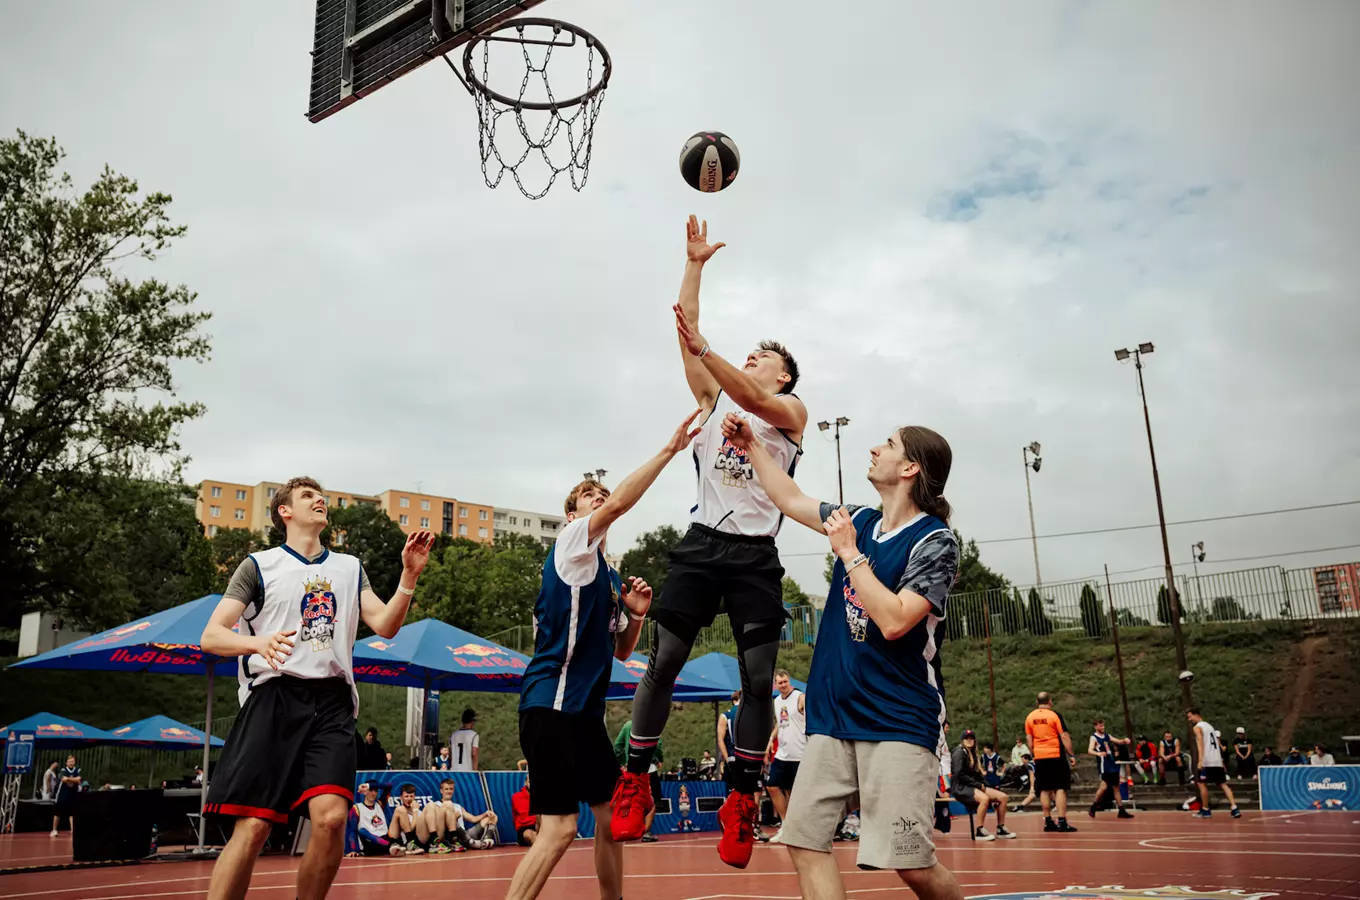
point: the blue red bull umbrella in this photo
(54, 732)
(623, 683)
(723, 671)
(161, 733)
(165, 643)
(433, 654)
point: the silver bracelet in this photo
(858, 560)
(703, 351)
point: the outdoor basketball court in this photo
(1289, 855)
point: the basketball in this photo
(709, 161)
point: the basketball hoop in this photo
(570, 122)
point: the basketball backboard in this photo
(361, 45)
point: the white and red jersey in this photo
(731, 498)
(320, 600)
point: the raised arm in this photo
(782, 489)
(697, 251)
(631, 489)
(385, 618)
(783, 411)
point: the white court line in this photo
(901, 887)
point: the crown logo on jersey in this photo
(317, 585)
(318, 613)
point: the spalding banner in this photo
(1310, 787)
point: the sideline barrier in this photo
(1310, 787)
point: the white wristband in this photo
(703, 352)
(637, 618)
(858, 560)
(410, 592)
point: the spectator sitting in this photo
(969, 788)
(1145, 758)
(198, 776)
(387, 762)
(1320, 756)
(1019, 752)
(407, 829)
(993, 767)
(369, 821)
(1271, 758)
(1024, 776)
(1295, 758)
(444, 819)
(526, 823)
(443, 761)
(708, 766)
(1170, 758)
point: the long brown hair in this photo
(931, 452)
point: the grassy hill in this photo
(1264, 676)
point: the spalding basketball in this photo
(709, 161)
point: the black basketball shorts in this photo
(571, 760)
(712, 571)
(293, 740)
(1052, 774)
(1213, 775)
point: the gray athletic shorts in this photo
(895, 783)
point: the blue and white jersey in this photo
(576, 617)
(319, 598)
(864, 687)
(1106, 764)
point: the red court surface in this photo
(1289, 855)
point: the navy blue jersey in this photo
(576, 617)
(729, 739)
(1106, 764)
(864, 687)
(65, 791)
(991, 764)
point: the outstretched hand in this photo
(416, 553)
(693, 340)
(638, 599)
(737, 431)
(682, 437)
(697, 247)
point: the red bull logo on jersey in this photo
(732, 463)
(855, 616)
(318, 613)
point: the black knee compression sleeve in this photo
(652, 702)
(757, 649)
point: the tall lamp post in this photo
(1025, 453)
(840, 420)
(597, 475)
(1185, 676)
(1197, 557)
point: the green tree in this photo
(649, 559)
(367, 532)
(974, 575)
(230, 547)
(1093, 618)
(1227, 609)
(1038, 619)
(1128, 619)
(85, 351)
(793, 594)
(1163, 606)
(830, 568)
(482, 588)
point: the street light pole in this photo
(1172, 597)
(1029, 498)
(1197, 557)
(840, 483)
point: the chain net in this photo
(572, 126)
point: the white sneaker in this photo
(414, 850)
(54, 832)
(483, 844)
(983, 835)
(778, 836)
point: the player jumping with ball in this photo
(728, 557)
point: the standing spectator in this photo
(387, 762)
(51, 781)
(1271, 758)
(526, 823)
(1244, 755)
(1170, 758)
(787, 742)
(1051, 744)
(67, 788)
(1019, 752)
(465, 744)
(1320, 756)
(1102, 747)
(1295, 758)
(372, 757)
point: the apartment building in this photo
(461, 518)
(543, 527)
(1338, 587)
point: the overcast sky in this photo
(951, 213)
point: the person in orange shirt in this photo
(1049, 741)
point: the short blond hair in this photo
(569, 506)
(284, 496)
